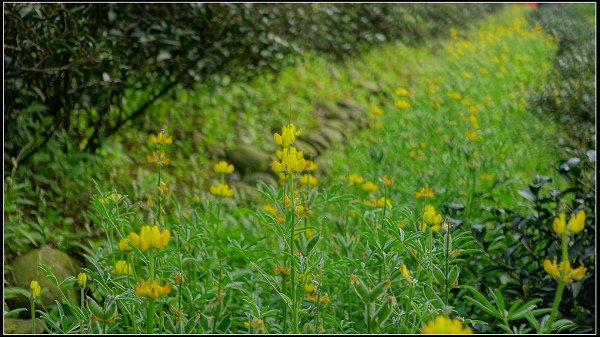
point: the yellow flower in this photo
(312, 297)
(425, 192)
(471, 135)
(282, 270)
(431, 216)
(455, 95)
(401, 92)
(576, 222)
(310, 166)
(151, 289)
(400, 225)
(161, 139)
(474, 122)
(559, 223)
(291, 161)
(486, 177)
(308, 179)
(376, 111)
(123, 246)
(159, 158)
(577, 273)
(467, 74)
(402, 104)
(223, 167)
(435, 105)
(35, 288)
(123, 268)
(355, 179)
(406, 274)
(287, 136)
(269, 209)
(179, 279)
(150, 236)
(81, 279)
(551, 267)
(354, 279)
(309, 287)
(222, 190)
(369, 186)
(445, 325)
(387, 181)
(325, 299)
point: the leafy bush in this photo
(570, 94)
(522, 238)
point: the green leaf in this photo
(273, 285)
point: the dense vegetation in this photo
(432, 194)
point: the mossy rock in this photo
(310, 151)
(247, 159)
(22, 326)
(344, 127)
(318, 142)
(255, 177)
(332, 134)
(25, 268)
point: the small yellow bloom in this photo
(223, 167)
(222, 190)
(400, 224)
(425, 192)
(355, 179)
(354, 279)
(161, 139)
(369, 186)
(310, 166)
(559, 223)
(455, 95)
(179, 279)
(309, 287)
(435, 105)
(291, 161)
(387, 181)
(159, 158)
(401, 92)
(471, 135)
(376, 111)
(308, 179)
(576, 222)
(312, 297)
(124, 246)
(35, 288)
(431, 216)
(287, 136)
(325, 299)
(150, 236)
(406, 274)
(445, 325)
(151, 289)
(269, 209)
(123, 268)
(551, 267)
(282, 270)
(486, 177)
(82, 279)
(577, 273)
(402, 104)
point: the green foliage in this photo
(521, 238)
(570, 93)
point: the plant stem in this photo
(430, 256)
(447, 242)
(150, 317)
(408, 305)
(292, 271)
(32, 314)
(561, 283)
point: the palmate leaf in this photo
(481, 302)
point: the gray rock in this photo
(253, 178)
(248, 159)
(25, 268)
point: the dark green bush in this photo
(522, 238)
(570, 94)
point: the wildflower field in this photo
(411, 188)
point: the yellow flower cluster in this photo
(308, 179)
(159, 157)
(445, 325)
(402, 92)
(425, 192)
(292, 161)
(82, 279)
(110, 196)
(123, 268)
(282, 270)
(369, 187)
(269, 209)
(151, 289)
(223, 167)
(149, 237)
(402, 104)
(568, 273)
(255, 323)
(161, 139)
(575, 225)
(221, 190)
(431, 218)
(354, 178)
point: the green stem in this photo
(150, 317)
(430, 256)
(32, 314)
(408, 305)
(561, 283)
(368, 316)
(82, 306)
(292, 271)
(447, 241)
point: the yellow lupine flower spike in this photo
(445, 325)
